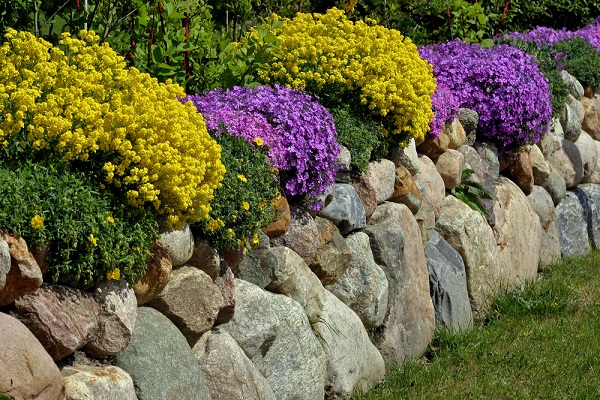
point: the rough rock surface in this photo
(27, 370)
(518, 235)
(226, 284)
(555, 185)
(228, 372)
(333, 255)
(469, 120)
(24, 275)
(589, 197)
(568, 162)
(205, 257)
(107, 383)
(381, 176)
(118, 311)
(570, 124)
(406, 190)
(425, 220)
(448, 285)
(344, 162)
(302, 236)
(431, 183)
(157, 275)
(275, 334)
(179, 243)
(466, 231)
(591, 121)
(366, 193)
(346, 210)
(63, 319)
(575, 88)
(191, 301)
(160, 361)
(364, 286)
(541, 202)
(282, 223)
(552, 140)
(589, 155)
(433, 147)
(456, 134)
(450, 166)
(539, 165)
(572, 227)
(520, 171)
(4, 262)
(408, 326)
(407, 157)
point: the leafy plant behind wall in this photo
(471, 192)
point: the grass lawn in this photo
(540, 342)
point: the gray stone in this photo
(27, 370)
(302, 235)
(205, 257)
(431, 183)
(275, 334)
(540, 167)
(468, 233)
(575, 88)
(118, 311)
(577, 107)
(180, 244)
(191, 301)
(589, 156)
(256, 267)
(409, 325)
(160, 361)
(407, 157)
(595, 177)
(552, 140)
(364, 286)
(591, 122)
(425, 220)
(568, 161)
(541, 202)
(106, 383)
(157, 275)
(589, 197)
(4, 262)
(381, 175)
(346, 210)
(469, 120)
(570, 124)
(344, 161)
(333, 255)
(572, 226)
(518, 235)
(448, 285)
(228, 372)
(555, 185)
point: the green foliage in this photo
(91, 232)
(557, 14)
(244, 203)
(471, 192)
(361, 136)
(582, 60)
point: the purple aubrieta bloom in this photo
(299, 131)
(445, 108)
(591, 33)
(542, 36)
(501, 83)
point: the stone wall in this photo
(329, 298)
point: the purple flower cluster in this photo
(591, 33)
(542, 36)
(503, 84)
(299, 131)
(445, 107)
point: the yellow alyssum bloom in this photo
(242, 178)
(37, 222)
(246, 205)
(255, 239)
(259, 142)
(110, 219)
(81, 99)
(93, 240)
(213, 225)
(115, 274)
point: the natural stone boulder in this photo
(205, 257)
(518, 235)
(591, 121)
(275, 334)
(595, 177)
(346, 210)
(575, 88)
(433, 147)
(589, 197)
(520, 171)
(589, 156)
(364, 286)
(157, 275)
(63, 319)
(226, 284)
(425, 218)
(302, 236)
(541, 202)
(333, 255)
(469, 119)
(107, 382)
(539, 166)
(4, 262)
(577, 107)
(468, 233)
(409, 324)
(555, 184)
(160, 361)
(568, 162)
(366, 193)
(450, 166)
(448, 285)
(191, 301)
(27, 371)
(572, 227)
(118, 311)
(552, 140)
(407, 157)
(24, 275)
(344, 163)
(431, 183)
(228, 372)
(570, 124)
(456, 133)
(380, 175)
(179, 243)
(406, 190)
(282, 222)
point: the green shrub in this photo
(582, 60)
(471, 192)
(244, 203)
(92, 233)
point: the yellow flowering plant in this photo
(374, 69)
(77, 101)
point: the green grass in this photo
(539, 342)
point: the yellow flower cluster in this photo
(79, 99)
(328, 51)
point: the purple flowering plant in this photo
(502, 84)
(591, 33)
(542, 36)
(445, 108)
(299, 131)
